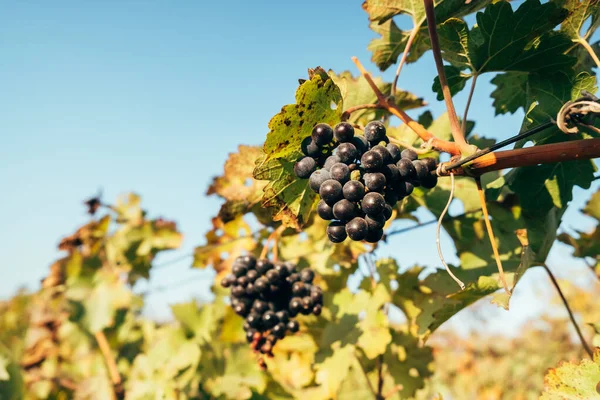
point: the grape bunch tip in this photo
(360, 178)
(269, 296)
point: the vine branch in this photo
(457, 134)
(424, 134)
(590, 50)
(571, 316)
(346, 114)
(464, 120)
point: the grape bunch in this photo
(360, 178)
(269, 295)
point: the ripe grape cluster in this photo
(359, 178)
(269, 295)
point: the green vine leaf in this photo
(317, 100)
(573, 381)
(581, 11)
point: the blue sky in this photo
(150, 97)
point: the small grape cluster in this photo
(359, 178)
(269, 295)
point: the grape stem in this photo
(346, 114)
(409, 43)
(457, 133)
(464, 120)
(488, 225)
(111, 365)
(571, 316)
(273, 237)
(590, 50)
(424, 134)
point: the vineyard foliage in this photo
(82, 335)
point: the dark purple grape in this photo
(406, 169)
(241, 309)
(239, 270)
(293, 326)
(307, 302)
(305, 167)
(317, 309)
(344, 210)
(269, 319)
(353, 191)
(290, 266)
(260, 306)
(373, 203)
(391, 198)
(429, 182)
(371, 161)
(238, 291)
(374, 236)
(421, 170)
(252, 275)
(248, 260)
(375, 181)
(394, 151)
(261, 285)
(343, 132)
(387, 212)
(310, 148)
(409, 187)
(322, 134)
(263, 265)
(282, 316)
(382, 151)
(242, 281)
(357, 229)
(336, 232)
(375, 221)
(294, 277)
(340, 172)
(254, 319)
(307, 275)
(317, 178)
(391, 173)
(299, 289)
(375, 131)
(250, 335)
(228, 280)
(409, 154)
(361, 144)
(283, 271)
(250, 290)
(347, 153)
(331, 191)
(430, 163)
(317, 296)
(273, 276)
(331, 160)
(295, 306)
(279, 330)
(324, 210)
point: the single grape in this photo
(294, 277)
(317, 178)
(331, 191)
(269, 319)
(316, 296)
(238, 291)
(347, 153)
(391, 173)
(261, 285)
(239, 270)
(373, 203)
(250, 335)
(421, 170)
(382, 151)
(293, 326)
(374, 236)
(282, 269)
(310, 148)
(324, 210)
(322, 134)
(250, 290)
(375, 181)
(260, 306)
(279, 330)
(263, 265)
(371, 160)
(307, 275)
(290, 266)
(387, 212)
(317, 309)
(254, 319)
(430, 163)
(252, 275)
(406, 169)
(353, 190)
(375, 131)
(357, 229)
(336, 232)
(282, 316)
(305, 167)
(331, 160)
(391, 198)
(340, 172)
(248, 260)
(299, 289)
(409, 187)
(240, 309)
(429, 182)
(295, 306)
(273, 276)
(228, 280)
(242, 281)
(394, 151)
(361, 144)
(409, 154)
(375, 221)
(344, 210)
(307, 303)
(343, 132)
